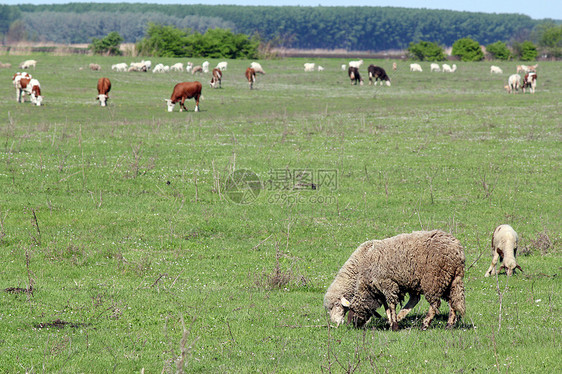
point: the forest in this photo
(350, 28)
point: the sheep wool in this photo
(381, 272)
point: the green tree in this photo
(164, 41)
(108, 45)
(499, 51)
(468, 50)
(550, 39)
(426, 51)
(526, 51)
(8, 14)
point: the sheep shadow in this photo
(415, 321)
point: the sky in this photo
(537, 9)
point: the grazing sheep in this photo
(119, 67)
(504, 248)
(28, 63)
(159, 68)
(320, 68)
(415, 67)
(177, 67)
(257, 68)
(205, 66)
(222, 65)
(344, 67)
(513, 83)
(197, 69)
(5, 66)
(434, 67)
(309, 66)
(95, 67)
(448, 69)
(381, 272)
(188, 66)
(495, 70)
(354, 75)
(356, 64)
(526, 68)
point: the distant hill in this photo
(349, 28)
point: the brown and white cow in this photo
(216, 78)
(530, 81)
(251, 77)
(104, 86)
(31, 87)
(183, 91)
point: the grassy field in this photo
(141, 255)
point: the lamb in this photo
(435, 67)
(495, 70)
(415, 67)
(513, 83)
(28, 63)
(448, 69)
(504, 248)
(381, 272)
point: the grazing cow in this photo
(216, 78)
(415, 67)
(448, 69)
(222, 65)
(354, 75)
(104, 86)
(251, 77)
(309, 66)
(15, 81)
(183, 91)
(495, 70)
(379, 74)
(27, 64)
(257, 68)
(31, 87)
(95, 67)
(434, 67)
(197, 69)
(530, 81)
(177, 67)
(205, 66)
(513, 83)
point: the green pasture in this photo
(146, 251)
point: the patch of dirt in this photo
(58, 324)
(18, 290)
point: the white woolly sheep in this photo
(309, 66)
(188, 66)
(119, 67)
(504, 248)
(448, 69)
(381, 272)
(434, 67)
(94, 67)
(344, 67)
(257, 68)
(222, 65)
(495, 70)
(205, 66)
(320, 68)
(415, 67)
(177, 67)
(28, 63)
(356, 64)
(513, 83)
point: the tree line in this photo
(349, 28)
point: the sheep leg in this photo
(412, 302)
(433, 310)
(452, 316)
(492, 268)
(391, 312)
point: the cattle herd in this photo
(25, 84)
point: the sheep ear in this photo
(345, 302)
